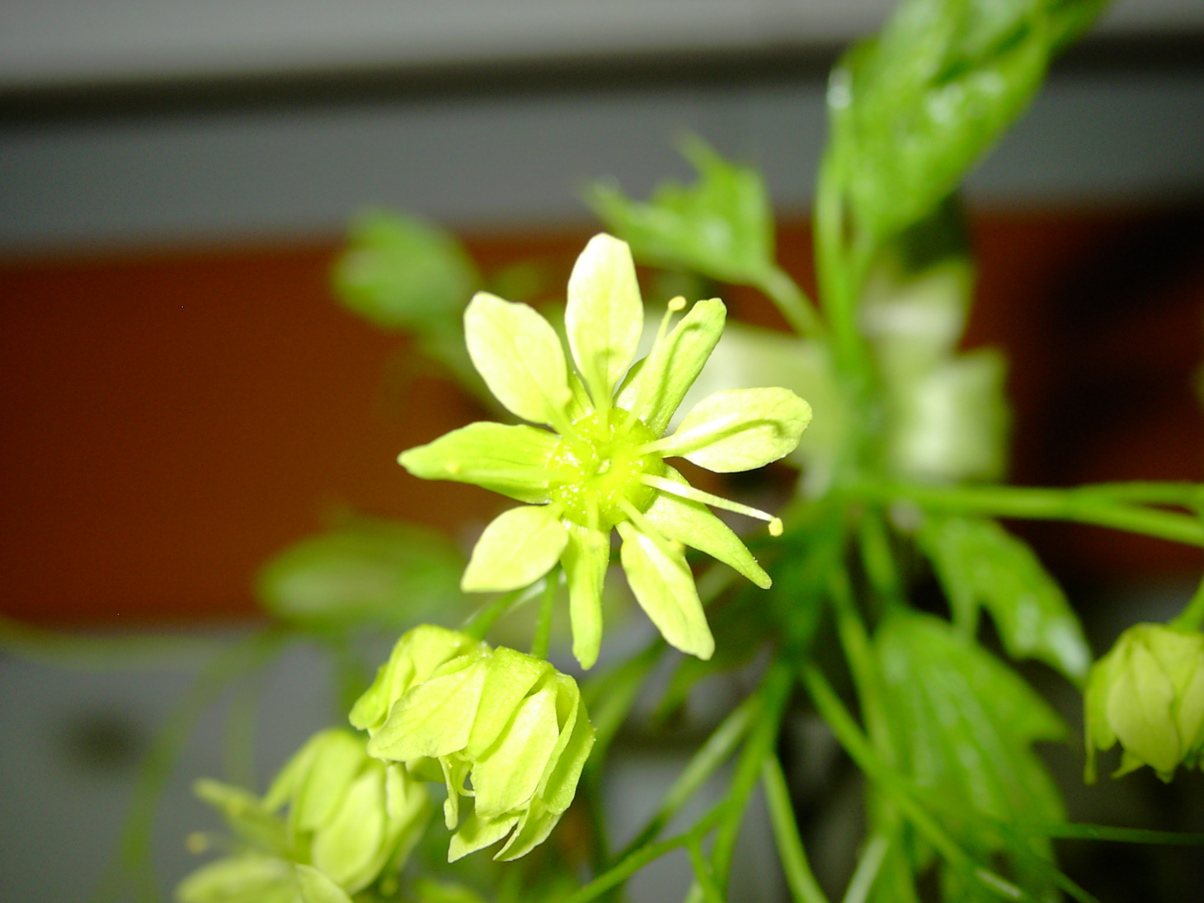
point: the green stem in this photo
(103, 653)
(869, 866)
(1192, 617)
(135, 844)
(543, 626)
(704, 877)
(859, 748)
(478, 624)
(718, 747)
(799, 877)
(775, 690)
(1083, 504)
(792, 302)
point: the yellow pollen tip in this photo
(678, 303)
(776, 527)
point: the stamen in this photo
(667, 547)
(684, 442)
(675, 305)
(685, 491)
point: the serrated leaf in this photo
(722, 226)
(962, 724)
(982, 565)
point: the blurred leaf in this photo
(982, 565)
(962, 724)
(370, 573)
(721, 227)
(915, 108)
(400, 273)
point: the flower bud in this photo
(507, 724)
(1148, 693)
(351, 821)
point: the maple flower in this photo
(1148, 693)
(602, 463)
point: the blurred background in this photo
(181, 398)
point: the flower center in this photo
(598, 467)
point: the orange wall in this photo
(172, 420)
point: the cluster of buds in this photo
(507, 734)
(351, 821)
(1148, 693)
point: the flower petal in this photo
(435, 718)
(740, 429)
(664, 587)
(518, 354)
(511, 460)
(604, 316)
(516, 549)
(585, 560)
(673, 366)
(506, 777)
(692, 523)
(476, 833)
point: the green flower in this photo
(602, 465)
(452, 709)
(1148, 693)
(352, 821)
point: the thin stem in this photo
(862, 752)
(776, 691)
(104, 653)
(799, 877)
(1083, 504)
(718, 747)
(1192, 617)
(868, 868)
(704, 877)
(792, 302)
(543, 626)
(135, 844)
(478, 623)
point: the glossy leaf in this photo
(981, 565)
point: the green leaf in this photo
(517, 548)
(740, 429)
(721, 227)
(664, 587)
(604, 315)
(401, 273)
(982, 565)
(962, 724)
(518, 354)
(509, 460)
(370, 572)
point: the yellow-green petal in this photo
(664, 587)
(516, 549)
(692, 523)
(510, 460)
(658, 383)
(585, 560)
(740, 429)
(315, 887)
(518, 354)
(604, 315)
(505, 777)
